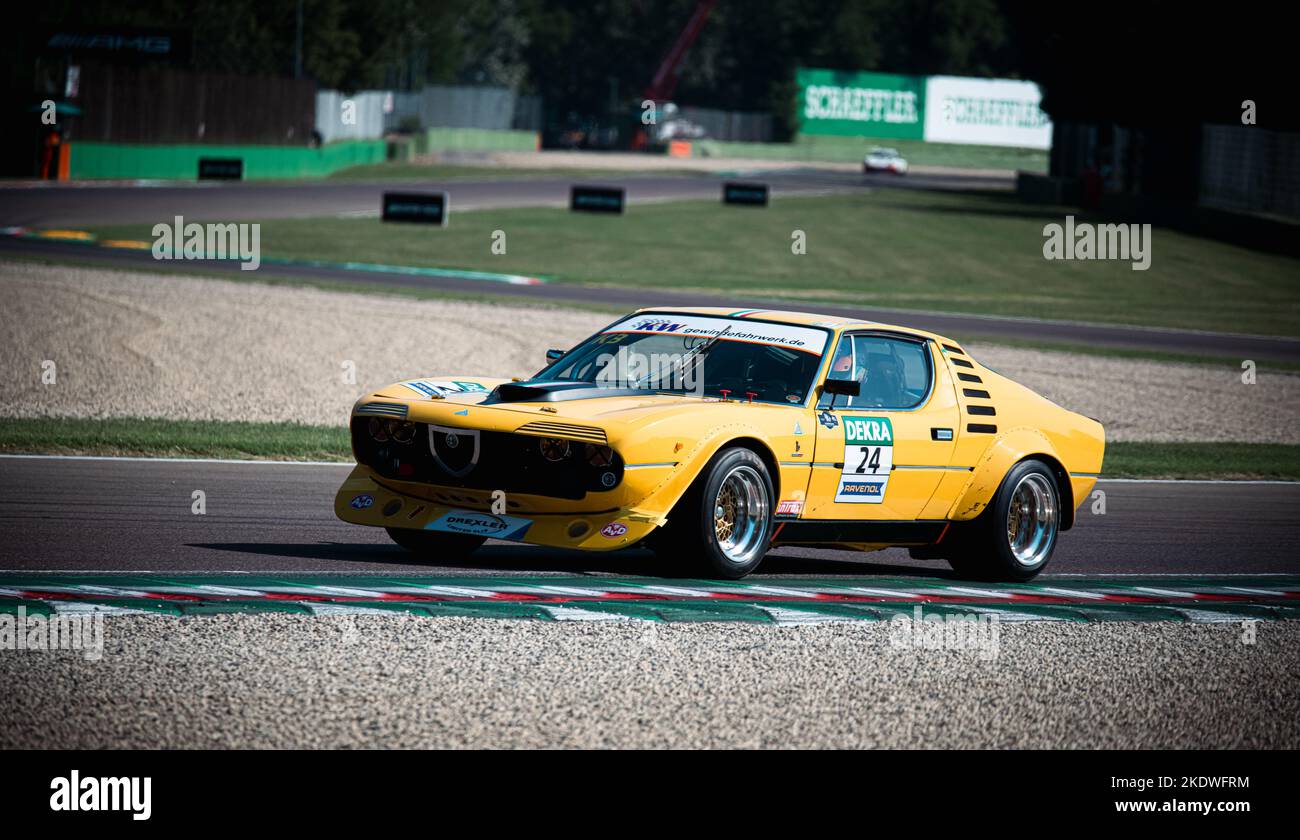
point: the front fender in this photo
(690, 462)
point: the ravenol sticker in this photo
(868, 460)
(362, 501)
(437, 389)
(481, 524)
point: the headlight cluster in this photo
(557, 449)
(382, 430)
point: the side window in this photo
(893, 372)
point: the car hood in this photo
(616, 410)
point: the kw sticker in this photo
(868, 459)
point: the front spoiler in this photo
(363, 501)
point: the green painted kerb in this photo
(591, 598)
(130, 160)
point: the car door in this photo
(881, 454)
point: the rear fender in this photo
(1004, 453)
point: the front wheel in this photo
(435, 545)
(725, 521)
(1015, 537)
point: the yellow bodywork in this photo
(665, 441)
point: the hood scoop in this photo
(549, 390)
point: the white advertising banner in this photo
(989, 112)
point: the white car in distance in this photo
(884, 160)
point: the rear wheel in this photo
(435, 545)
(1015, 536)
(724, 523)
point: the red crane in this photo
(663, 84)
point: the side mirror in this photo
(553, 355)
(842, 387)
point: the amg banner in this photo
(121, 43)
(426, 208)
(221, 169)
(596, 199)
(735, 192)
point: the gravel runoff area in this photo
(151, 345)
(403, 681)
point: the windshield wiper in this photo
(690, 356)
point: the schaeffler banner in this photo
(860, 104)
(990, 112)
(940, 109)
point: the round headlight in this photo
(378, 431)
(402, 431)
(553, 449)
(599, 456)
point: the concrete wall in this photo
(366, 114)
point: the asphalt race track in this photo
(61, 206)
(135, 516)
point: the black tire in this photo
(692, 533)
(435, 545)
(983, 550)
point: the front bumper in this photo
(364, 501)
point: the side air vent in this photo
(976, 393)
(982, 428)
(969, 377)
(985, 410)
(962, 363)
(952, 349)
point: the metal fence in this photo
(1249, 169)
(444, 106)
(747, 126)
(164, 105)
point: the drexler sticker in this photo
(868, 460)
(481, 524)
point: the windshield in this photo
(726, 358)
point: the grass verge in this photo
(174, 439)
(288, 441)
(1269, 461)
(891, 248)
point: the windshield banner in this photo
(807, 339)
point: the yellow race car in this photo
(714, 434)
